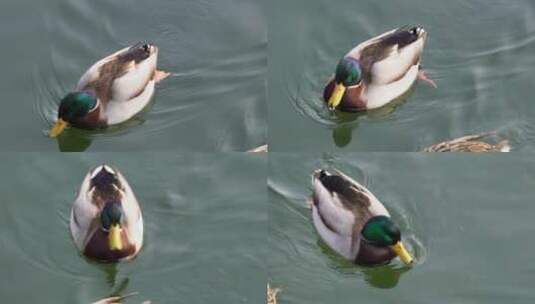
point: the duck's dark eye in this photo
(414, 30)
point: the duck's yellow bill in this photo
(402, 253)
(336, 96)
(114, 237)
(58, 127)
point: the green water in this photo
(469, 220)
(203, 216)
(214, 100)
(479, 52)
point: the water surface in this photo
(468, 219)
(205, 226)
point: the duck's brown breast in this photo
(370, 254)
(351, 101)
(98, 248)
(93, 120)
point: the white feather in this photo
(119, 111)
(506, 148)
(379, 95)
(397, 63)
(132, 212)
(341, 244)
(84, 214)
(135, 79)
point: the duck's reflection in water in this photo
(386, 276)
(348, 121)
(74, 140)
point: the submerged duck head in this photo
(382, 232)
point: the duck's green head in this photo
(72, 107)
(382, 232)
(111, 219)
(348, 73)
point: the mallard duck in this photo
(106, 222)
(378, 71)
(470, 143)
(353, 222)
(112, 90)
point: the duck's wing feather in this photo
(83, 214)
(333, 211)
(389, 57)
(345, 245)
(94, 72)
(119, 111)
(121, 76)
(138, 72)
(344, 204)
(134, 218)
